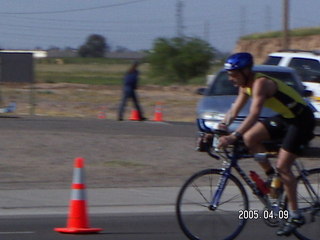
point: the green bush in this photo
(180, 59)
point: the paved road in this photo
(176, 129)
(116, 227)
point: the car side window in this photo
(308, 69)
(271, 60)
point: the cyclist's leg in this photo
(254, 139)
(297, 134)
(284, 165)
(294, 138)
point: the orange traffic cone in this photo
(78, 220)
(102, 114)
(135, 116)
(158, 113)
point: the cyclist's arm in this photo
(240, 101)
(261, 90)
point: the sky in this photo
(135, 24)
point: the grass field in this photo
(97, 73)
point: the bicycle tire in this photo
(195, 218)
(306, 205)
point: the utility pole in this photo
(179, 16)
(286, 37)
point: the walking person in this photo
(130, 84)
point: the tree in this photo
(180, 59)
(95, 46)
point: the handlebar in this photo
(220, 132)
(238, 147)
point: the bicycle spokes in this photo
(198, 217)
(308, 191)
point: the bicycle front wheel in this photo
(198, 220)
(309, 204)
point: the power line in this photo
(131, 21)
(75, 10)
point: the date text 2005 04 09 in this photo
(265, 214)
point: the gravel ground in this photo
(39, 152)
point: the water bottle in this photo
(275, 186)
(259, 182)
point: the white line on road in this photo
(6, 233)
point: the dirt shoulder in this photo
(78, 100)
(38, 153)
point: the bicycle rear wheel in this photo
(197, 220)
(309, 204)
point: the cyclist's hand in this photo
(224, 141)
(223, 126)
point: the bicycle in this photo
(214, 204)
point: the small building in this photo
(35, 53)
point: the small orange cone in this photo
(78, 218)
(134, 115)
(158, 113)
(102, 114)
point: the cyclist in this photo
(294, 124)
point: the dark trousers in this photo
(129, 94)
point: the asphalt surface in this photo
(119, 227)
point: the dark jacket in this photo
(131, 80)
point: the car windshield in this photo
(222, 86)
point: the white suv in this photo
(307, 65)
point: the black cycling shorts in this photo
(295, 132)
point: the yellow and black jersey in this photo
(286, 101)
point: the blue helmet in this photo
(238, 61)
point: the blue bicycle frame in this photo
(225, 174)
